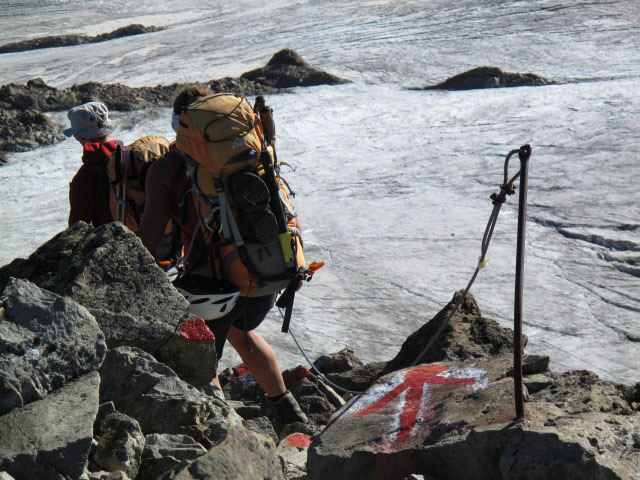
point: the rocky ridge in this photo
(24, 125)
(102, 377)
(69, 40)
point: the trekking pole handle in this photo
(265, 113)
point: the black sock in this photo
(277, 397)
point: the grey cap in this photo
(90, 120)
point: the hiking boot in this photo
(286, 410)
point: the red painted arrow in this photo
(414, 381)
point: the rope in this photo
(319, 374)
(498, 199)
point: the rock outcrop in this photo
(453, 418)
(287, 69)
(24, 125)
(21, 131)
(108, 271)
(468, 336)
(68, 40)
(489, 77)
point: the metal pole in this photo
(525, 152)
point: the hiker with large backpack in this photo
(89, 188)
(110, 185)
(237, 254)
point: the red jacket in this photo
(89, 189)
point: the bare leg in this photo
(261, 361)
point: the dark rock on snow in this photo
(36, 95)
(68, 40)
(23, 125)
(45, 342)
(467, 336)
(21, 131)
(287, 69)
(339, 362)
(489, 77)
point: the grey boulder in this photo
(241, 455)
(338, 362)
(164, 452)
(45, 341)
(120, 443)
(52, 437)
(151, 393)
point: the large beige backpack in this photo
(245, 211)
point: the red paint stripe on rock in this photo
(241, 369)
(196, 330)
(298, 374)
(299, 440)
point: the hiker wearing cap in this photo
(229, 316)
(89, 189)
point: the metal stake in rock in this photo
(524, 154)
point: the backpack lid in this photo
(220, 132)
(222, 117)
(136, 160)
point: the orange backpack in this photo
(245, 214)
(127, 172)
